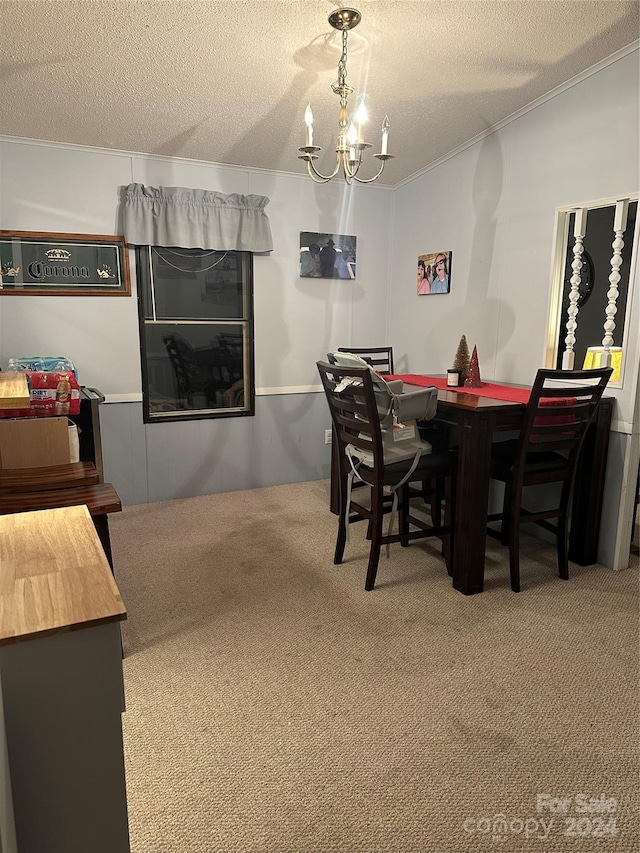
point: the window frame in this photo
(144, 278)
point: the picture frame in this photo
(324, 255)
(40, 263)
(434, 273)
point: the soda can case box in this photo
(52, 393)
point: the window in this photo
(196, 332)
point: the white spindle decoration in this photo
(619, 225)
(579, 230)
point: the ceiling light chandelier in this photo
(351, 144)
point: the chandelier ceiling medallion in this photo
(351, 144)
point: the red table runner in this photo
(488, 389)
(496, 392)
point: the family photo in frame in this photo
(434, 273)
(327, 255)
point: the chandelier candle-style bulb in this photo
(362, 118)
(385, 135)
(308, 120)
(350, 145)
(352, 138)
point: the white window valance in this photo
(195, 219)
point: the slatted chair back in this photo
(352, 405)
(380, 358)
(560, 409)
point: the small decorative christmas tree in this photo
(473, 376)
(461, 361)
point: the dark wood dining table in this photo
(476, 419)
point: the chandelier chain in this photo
(342, 65)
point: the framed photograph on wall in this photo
(434, 273)
(327, 255)
(43, 264)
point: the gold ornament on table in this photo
(461, 360)
(473, 376)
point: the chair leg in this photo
(512, 515)
(368, 536)
(506, 509)
(563, 561)
(563, 533)
(514, 557)
(436, 502)
(448, 541)
(377, 510)
(341, 538)
(341, 541)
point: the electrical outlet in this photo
(327, 436)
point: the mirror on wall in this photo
(585, 258)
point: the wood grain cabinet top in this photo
(54, 575)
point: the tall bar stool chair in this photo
(356, 417)
(559, 411)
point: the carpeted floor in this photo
(275, 707)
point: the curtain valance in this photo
(195, 219)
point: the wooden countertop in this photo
(14, 390)
(54, 575)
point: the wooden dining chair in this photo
(362, 453)
(380, 358)
(430, 491)
(560, 409)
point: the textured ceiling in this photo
(228, 82)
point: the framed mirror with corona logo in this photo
(43, 264)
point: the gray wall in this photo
(49, 187)
(283, 443)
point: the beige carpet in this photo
(275, 707)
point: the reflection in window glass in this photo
(196, 312)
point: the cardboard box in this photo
(34, 442)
